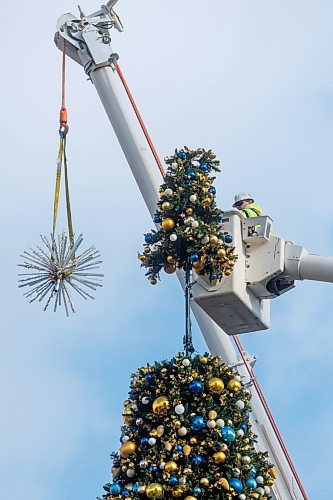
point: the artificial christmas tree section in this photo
(190, 232)
(187, 434)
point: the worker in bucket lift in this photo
(245, 204)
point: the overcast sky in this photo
(253, 81)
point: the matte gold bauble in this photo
(213, 239)
(215, 385)
(221, 253)
(187, 450)
(234, 385)
(272, 473)
(169, 268)
(246, 441)
(193, 440)
(143, 258)
(219, 457)
(197, 266)
(165, 205)
(146, 250)
(231, 263)
(171, 466)
(153, 281)
(204, 360)
(204, 481)
(227, 272)
(127, 449)
(171, 259)
(224, 483)
(154, 490)
(168, 224)
(189, 211)
(212, 415)
(161, 404)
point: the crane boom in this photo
(88, 43)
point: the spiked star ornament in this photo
(55, 271)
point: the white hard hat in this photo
(242, 197)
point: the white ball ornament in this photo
(141, 489)
(260, 490)
(134, 407)
(246, 460)
(168, 192)
(174, 166)
(162, 465)
(173, 237)
(179, 409)
(240, 404)
(205, 240)
(138, 421)
(130, 472)
(124, 439)
(143, 464)
(144, 400)
(229, 423)
(242, 497)
(186, 362)
(182, 431)
(152, 441)
(220, 422)
(260, 480)
(195, 163)
(237, 377)
(236, 472)
(193, 198)
(267, 490)
(182, 480)
(240, 433)
(211, 424)
(223, 447)
(129, 486)
(195, 224)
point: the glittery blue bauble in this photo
(203, 167)
(115, 489)
(236, 485)
(228, 434)
(253, 471)
(197, 491)
(195, 386)
(173, 480)
(198, 423)
(179, 447)
(153, 468)
(212, 190)
(125, 493)
(243, 427)
(148, 238)
(148, 376)
(194, 257)
(144, 440)
(157, 218)
(228, 238)
(135, 487)
(191, 174)
(248, 416)
(251, 482)
(214, 276)
(197, 460)
(181, 154)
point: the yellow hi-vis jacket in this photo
(252, 210)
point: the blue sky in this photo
(252, 80)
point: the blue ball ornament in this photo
(191, 174)
(135, 487)
(247, 416)
(251, 482)
(243, 427)
(173, 480)
(115, 489)
(204, 167)
(198, 423)
(228, 434)
(194, 257)
(253, 471)
(197, 490)
(212, 190)
(228, 238)
(125, 493)
(153, 468)
(148, 238)
(236, 485)
(181, 154)
(197, 460)
(144, 440)
(214, 276)
(157, 219)
(219, 218)
(195, 386)
(148, 377)
(179, 447)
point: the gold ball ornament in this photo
(221, 253)
(227, 272)
(212, 415)
(215, 385)
(153, 281)
(206, 202)
(165, 205)
(170, 466)
(204, 360)
(154, 490)
(224, 483)
(213, 240)
(177, 492)
(161, 404)
(231, 263)
(127, 449)
(219, 457)
(187, 450)
(204, 481)
(169, 268)
(198, 266)
(171, 259)
(146, 250)
(272, 473)
(270, 482)
(212, 155)
(193, 440)
(234, 385)
(143, 258)
(168, 224)
(189, 211)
